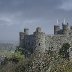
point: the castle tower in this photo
(65, 28)
(56, 29)
(26, 31)
(39, 38)
(70, 27)
(21, 35)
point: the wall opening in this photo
(39, 44)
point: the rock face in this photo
(39, 41)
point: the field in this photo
(6, 53)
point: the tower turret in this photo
(65, 28)
(39, 38)
(26, 31)
(38, 29)
(56, 29)
(21, 35)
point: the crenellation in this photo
(38, 29)
(26, 31)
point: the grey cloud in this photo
(17, 5)
(17, 14)
(66, 5)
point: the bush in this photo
(19, 49)
(38, 62)
(64, 50)
(17, 57)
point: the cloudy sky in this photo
(15, 15)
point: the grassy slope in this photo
(5, 53)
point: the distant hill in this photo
(8, 46)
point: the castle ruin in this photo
(39, 41)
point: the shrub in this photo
(17, 57)
(64, 50)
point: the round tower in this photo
(39, 40)
(38, 29)
(26, 31)
(70, 27)
(56, 29)
(21, 35)
(65, 29)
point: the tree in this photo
(19, 49)
(64, 50)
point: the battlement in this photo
(38, 29)
(26, 31)
(65, 30)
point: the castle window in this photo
(39, 44)
(69, 33)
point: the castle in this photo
(39, 41)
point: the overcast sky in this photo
(15, 15)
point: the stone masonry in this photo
(39, 41)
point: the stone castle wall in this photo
(39, 41)
(42, 42)
(55, 42)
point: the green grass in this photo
(5, 53)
